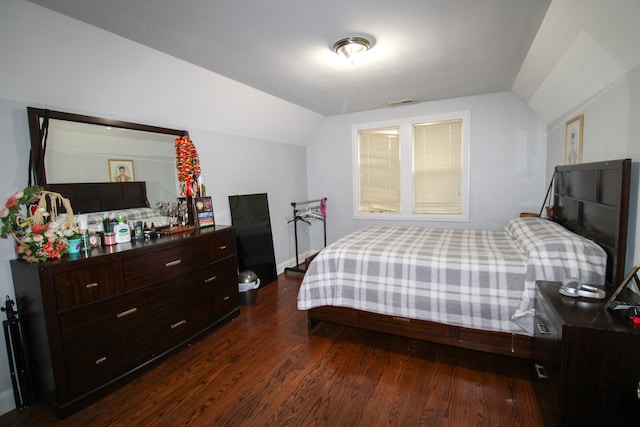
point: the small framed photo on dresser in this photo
(203, 211)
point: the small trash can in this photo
(248, 283)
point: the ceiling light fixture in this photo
(351, 47)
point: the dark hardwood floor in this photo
(264, 369)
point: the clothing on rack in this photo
(313, 210)
(310, 213)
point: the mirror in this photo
(71, 148)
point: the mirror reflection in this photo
(84, 153)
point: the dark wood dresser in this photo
(586, 360)
(94, 321)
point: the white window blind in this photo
(379, 169)
(437, 168)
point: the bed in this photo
(474, 288)
(127, 200)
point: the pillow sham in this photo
(558, 251)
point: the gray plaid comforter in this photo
(471, 278)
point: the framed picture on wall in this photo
(204, 211)
(121, 170)
(573, 141)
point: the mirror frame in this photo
(35, 115)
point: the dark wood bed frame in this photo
(590, 199)
(103, 196)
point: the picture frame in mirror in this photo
(121, 170)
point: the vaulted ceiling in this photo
(423, 49)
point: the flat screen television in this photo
(250, 217)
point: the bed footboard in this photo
(508, 344)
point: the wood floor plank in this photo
(264, 368)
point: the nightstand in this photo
(586, 360)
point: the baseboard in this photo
(7, 402)
(292, 261)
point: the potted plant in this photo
(74, 237)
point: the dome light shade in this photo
(351, 47)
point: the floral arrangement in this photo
(188, 165)
(38, 237)
(40, 243)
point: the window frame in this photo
(406, 167)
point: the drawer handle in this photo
(127, 312)
(101, 360)
(180, 323)
(540, 371)
(401, 319)
(542, 328)
(223, 247)
(173, 263)
(91, 285)
(210, 279)
(638, 390)
(227, 299)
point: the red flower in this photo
(38, 228)
(11, 201)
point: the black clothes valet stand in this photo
(17, 359)
(312, 210)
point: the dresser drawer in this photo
(226, 299)
(547, 353)
(200, 317)
(203, 284)
(397, 325)
(223, 246)
(164, 264)
(85, 285)
(115, 314)
(547, 344)
(103, 359)
(159, 334)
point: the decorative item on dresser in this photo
(94, 322)
(30, 217)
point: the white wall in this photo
(248, 141)
(507, 161)
(611, 129)
(241, 165)
(13, 175)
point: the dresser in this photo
(93, 321)
(586, 360)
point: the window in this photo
(379, 170)
(437, 168)
(412, 168)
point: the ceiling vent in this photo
(401, 102)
